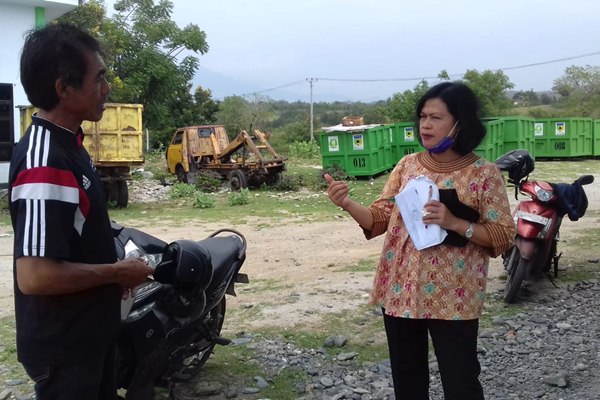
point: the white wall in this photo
(16, 18)
(14, 22)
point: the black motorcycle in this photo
(173, 322)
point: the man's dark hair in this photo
(56, 51)
(464, 107)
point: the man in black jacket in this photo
(68, 281)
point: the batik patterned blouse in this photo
(444, 281)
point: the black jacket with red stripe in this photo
(58, 210)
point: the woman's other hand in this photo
(436, 212)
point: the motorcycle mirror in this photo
(586, 179)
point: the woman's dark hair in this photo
(464, 107)
(56, 51)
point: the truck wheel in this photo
(181, 175)
(122, 194)
(111, 191)
(237, 180)
(191, 175)
(274, 178)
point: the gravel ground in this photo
(549, 351)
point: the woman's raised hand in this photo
(338, 192)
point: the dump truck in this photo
(115, 144)
(248, 160)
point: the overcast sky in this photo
(258, 45)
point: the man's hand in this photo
(131, 272)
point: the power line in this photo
(285, 85)
(424, 77)
(552, 61)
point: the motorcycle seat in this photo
(224, 253)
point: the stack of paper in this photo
(410, 201)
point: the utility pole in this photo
(311, 81)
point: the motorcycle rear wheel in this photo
(517, 268)
(214, 322)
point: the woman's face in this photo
(435, 122)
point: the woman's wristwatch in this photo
(469, 231)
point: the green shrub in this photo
(4, 200)
(305, 150)
(204, 200)
(337, 173)
(288, 183)
(208, 181)
(239, 198)
(182, 190)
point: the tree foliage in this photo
(237, 113)
(151, 61)
(402, 106)
(207, 107)
(580, 90)
(490, 88)
(526, 98)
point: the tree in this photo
(376, 113)
(580, 90)
(490, 88)
(526, 98)
(402, 106)
(237, 113)
(207, 107)
(443, 75)
(151, 61)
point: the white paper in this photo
(410, 202)
(126, 305)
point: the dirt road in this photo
(295, 265)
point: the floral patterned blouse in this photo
(444, 281)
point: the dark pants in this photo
(92, 379)
(455, 345)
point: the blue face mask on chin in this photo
(445, 143)
(442, 146)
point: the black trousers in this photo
(92, 379)
(455, 345)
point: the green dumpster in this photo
(404, 140)
(563, 137)
(518, 133)
(492, 145)
(596, 138)
(360, 151)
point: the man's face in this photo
(87, 102)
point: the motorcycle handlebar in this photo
(585, 179)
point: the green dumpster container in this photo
(596, 138)
(563, 137)
(404, 140)
(358, 151)
(492, 145)
(518, 133)
(384, 139)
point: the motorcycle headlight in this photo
(542, 194)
